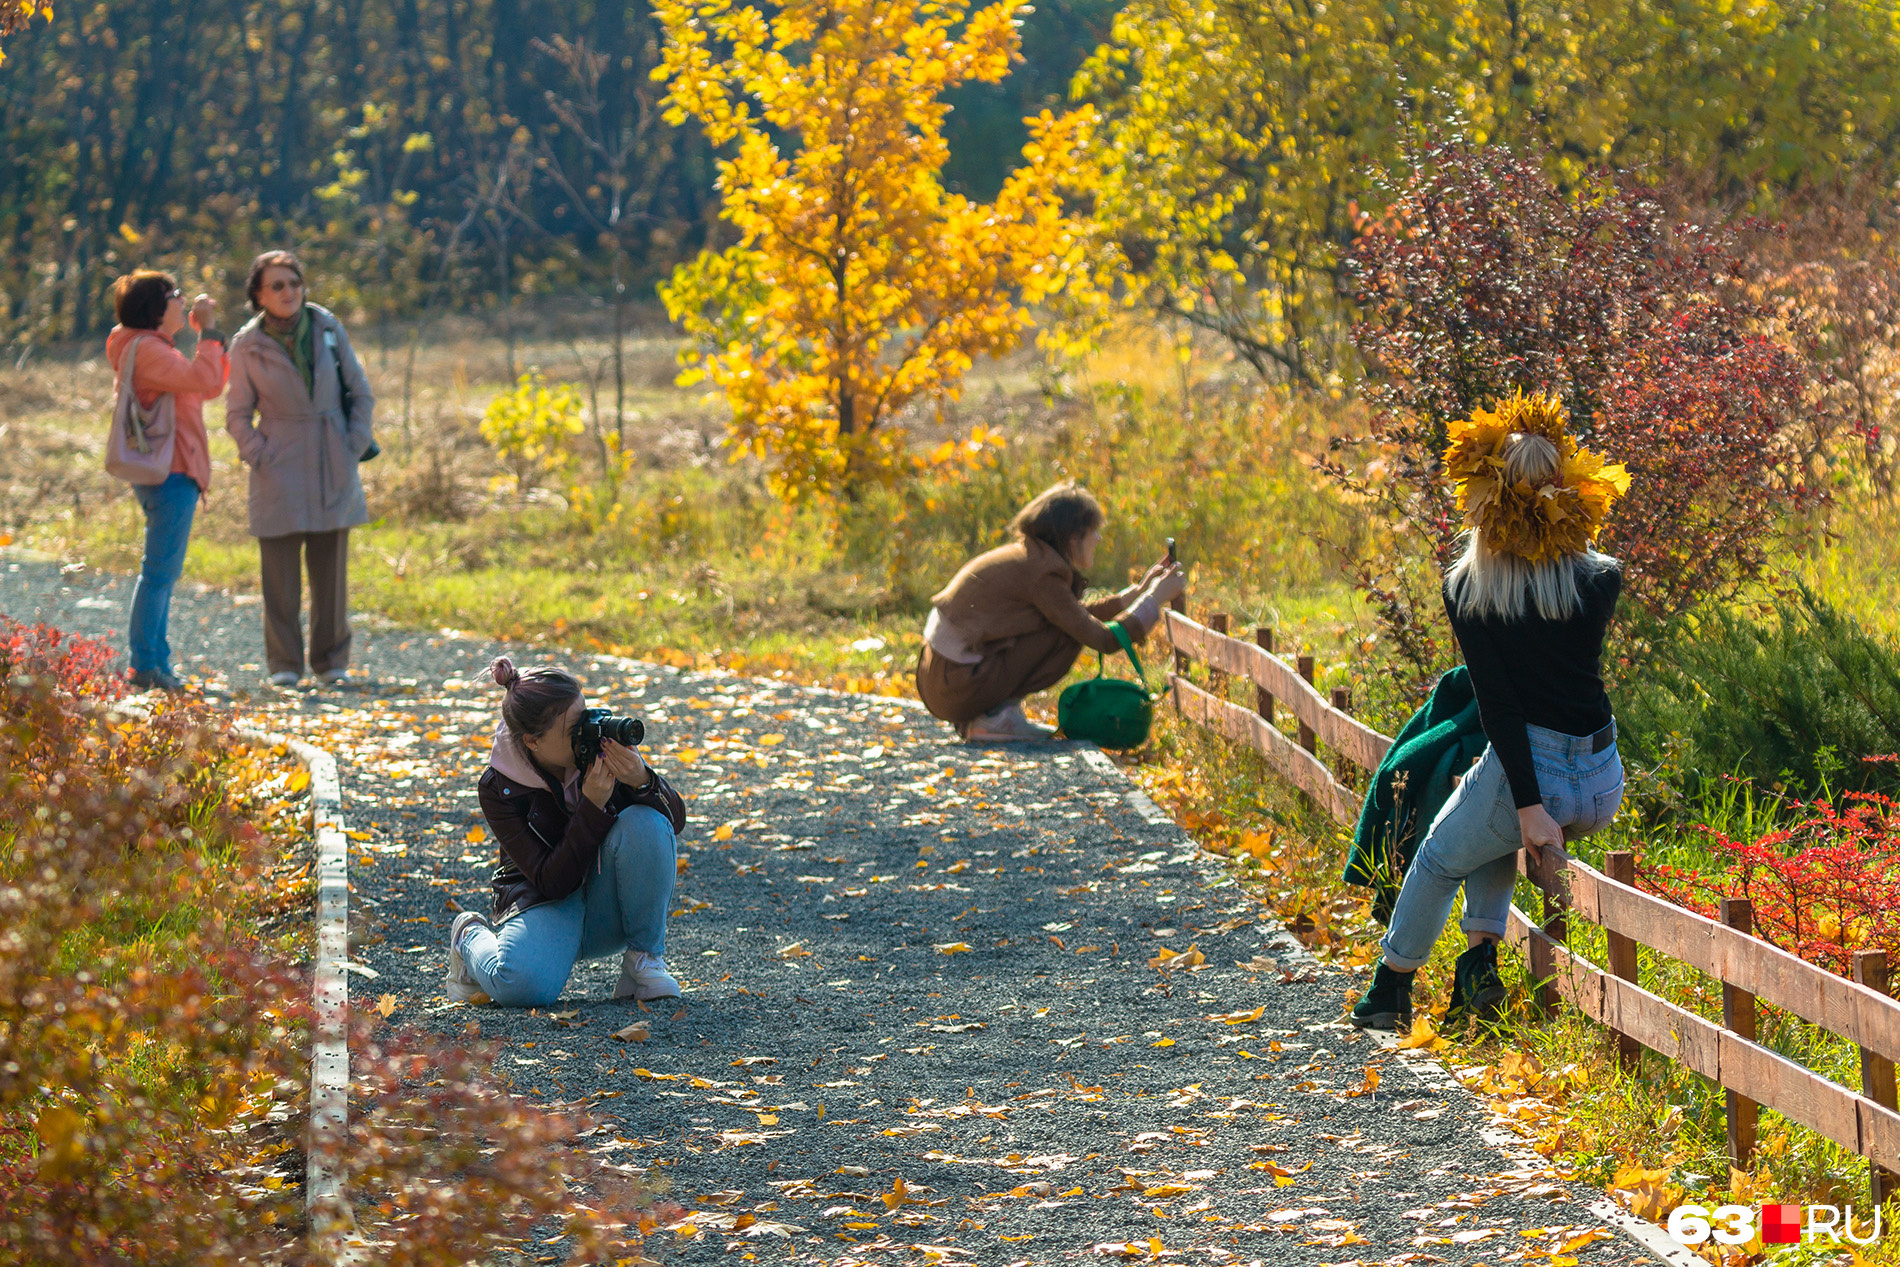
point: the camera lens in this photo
(624, 730)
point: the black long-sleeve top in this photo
(1537, 672)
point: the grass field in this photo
(702, 565)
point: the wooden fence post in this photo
(1262, 697)
(1738, 1015)
(1216, 680)
(1343, 768)
(1557, 928)
(1308, 740)
(1620, 865)
(1179, 603)
(1876, 1071)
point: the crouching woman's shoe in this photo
(1388, 1003)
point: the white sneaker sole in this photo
(460, 984)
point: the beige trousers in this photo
(284, 559)
(961, 693)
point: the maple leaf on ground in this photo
(1423, 1036)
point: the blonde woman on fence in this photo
(1530, 601)
(1012, 621)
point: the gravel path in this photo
(923, 1019)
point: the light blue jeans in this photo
(1475, 839)
(526, 962)
(169, 509)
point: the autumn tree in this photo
(15, 14)
(1239, 137)
(857, 284)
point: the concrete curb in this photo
(327, 1208)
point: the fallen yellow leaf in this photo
(1167, 960)
(723, 832)
(1423, 1036)
(476, 835)
(387, 1004)
(1240, 1018)
(954, 948)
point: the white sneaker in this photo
(284, 677)
(1008, 724)
(461, 985)
(645, 977)
(334, 677)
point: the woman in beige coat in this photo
(1012, 622)
(292, 372)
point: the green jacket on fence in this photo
(1441, 740)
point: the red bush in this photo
(146, 1034)
(1822, 888)
(1483, 277)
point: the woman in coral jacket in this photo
(151, 310)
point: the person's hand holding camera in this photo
(617, 763)
(1167, 581)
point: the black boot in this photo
(1476, 989)
(1388, 1003)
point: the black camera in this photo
(596, 726)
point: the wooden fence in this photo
(1749, 969)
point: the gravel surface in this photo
(923, 1021)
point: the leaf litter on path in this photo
(1029, 836)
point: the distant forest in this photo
(421, 151)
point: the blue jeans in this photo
(1475, 839)
(169, 508)
(526, 962)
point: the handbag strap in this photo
(1128, 645)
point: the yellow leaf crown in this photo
(1535, 521)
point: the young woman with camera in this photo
(1012, 621)
(151, 311)
(1530, 601)
(587, 849)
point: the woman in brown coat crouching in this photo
(1012, 621)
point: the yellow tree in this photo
(857, 284)
(1239, 138)
(15, 14)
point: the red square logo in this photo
(1780, 1224)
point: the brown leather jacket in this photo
(1026, 586)
(546, 852)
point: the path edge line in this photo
(325, 1205)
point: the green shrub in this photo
(1804, 702)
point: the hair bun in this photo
(504, 671)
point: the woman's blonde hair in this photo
(1487, 583)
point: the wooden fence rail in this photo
(1750, 970)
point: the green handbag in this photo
(1109, 711)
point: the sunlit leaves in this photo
(858, 284)
(533, 428)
